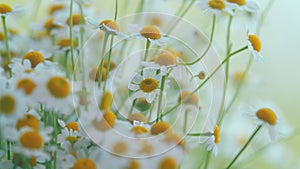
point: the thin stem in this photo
(147, 49)
(228, 50)
(132, 106)
(182, 15)
(66, 64)
(71, 38)
(116, 10)
(245, 146)
(209, 44)
(207, 160)
(108, 61)
(182, 5)
(106, 35)
(8, 146)
(204, 82)
(6, 44)
(185, 121)
(160, 99)
(55, 137)
(200, 134)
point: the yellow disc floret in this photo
(56, 7)
(148, 85)
(7, 104)
(151, 32)
(28, 120)
(64, 43)
(77, 19)
(217, 134)
(106, 101)
(137, 117)
(267, 115)
(255, 42)
(34, 57)
(120, 147)
(134, 165)
(72, 125)
(32, 140)
(160, 127)
(188, 98)
(139, 130)
(27, 85)
(84, 163)
(239, 2)
(5, 8)
(165, 59)
(111, 24)
(168, 163)
(58, 87)
(217, 4)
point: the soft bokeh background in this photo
(280, 75)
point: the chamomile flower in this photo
(107, 25)
(217, 6)
(267, 117)
(36, 57)
(213, 140)
(146, 85)
(247, 5)
(149, 32)
(6, 9)
(255, 46)
(69, 135)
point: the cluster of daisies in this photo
(81, 93)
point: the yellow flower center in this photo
(84, 163)
(150, 32)
(137, 117)
(255, 42)
(72, 125)
(148, 85)
(4, 8)
(168, 163)
(76, 19)
(111, 24)
(217, 134)
(166, 59)
(112, 65)
(34, 57)
(94, 73)
(106, 101)
(28, 120)
(120, 148)
(58, 87)
(139, 130)
(32, 140)
(134, 165)
(21, 161)
(107, 122)
(175, 139)
(2, 36)
(239, 2)
(49, 24)
(217, 4)
(202, 75)
(56, 7)
(192, 99)
(63, 43)
(7, 104)
(160, 127)
(72, 139)
(27, 85)
(267, 115)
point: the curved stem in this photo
(116, 10)
(108, 62)
(106, 35)
(244, 147)
(209, 44)
(200, 134)
(71, 38)
(162, 86)
(6, 44)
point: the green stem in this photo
(200, 134)
(55, 137)
(182, 5)
(209, 44)
(180, 17)
(159, 110)
(8, 145)
(228, 50)
(132, 106)
(106, 35)
(185, 121)
(108, 61)
(209, 77)
(147, 49)
(116, 10)
(71, 38)
(66, 65)
(245, 146)
(207, 160)
(6, 43)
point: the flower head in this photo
(255, 46)
(217, 6)
(247, 5)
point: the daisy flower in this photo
(107, 25)
(6, 9)
(214, 139)
(146, 85)
(267, 117)
(148, 32)
(254, 45)
(69, 135)
(247, 5)
(217, 6)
